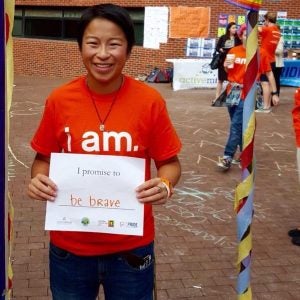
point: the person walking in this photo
(225, 43)
(77, 117)
(269, 35)
(235, 65)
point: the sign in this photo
(290, 75)
(193, 73)
(96, 193)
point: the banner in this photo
(188, 22)
(290, 75)
(247, 4)
(193, 73)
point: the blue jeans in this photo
(236, 130)
(124, 276)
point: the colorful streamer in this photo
(247, 4)
(6, 89)
(243, 204)
(2, 156)
(244, 191)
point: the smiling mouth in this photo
(103, 66)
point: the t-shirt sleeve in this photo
(164, 141)
(44, 141)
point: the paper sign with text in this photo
(96, 193)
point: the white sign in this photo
(96, 193)
(200, 47)
(155, 26)
(193, 73)
(281, 15)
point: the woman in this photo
(78, 117)
(269, 35)
(235, 66)
(225, 42)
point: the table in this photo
(193, 73)
(290, 75)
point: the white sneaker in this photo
(263, 110)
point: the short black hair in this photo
(111, 12)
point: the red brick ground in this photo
(196, 231)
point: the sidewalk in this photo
(196, 246)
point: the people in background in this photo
(106, 103)
(225, 42)
(269, 35)
(235, 67)
(295, 233)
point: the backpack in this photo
(158, 76)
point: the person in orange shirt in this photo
(106, 113)
(295, 233)
(235, 65)
(269, 36)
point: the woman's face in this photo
(233, 30)
(104, 54)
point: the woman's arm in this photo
(154, 191)
(220, 44)
(279, 48)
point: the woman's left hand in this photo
(152, 191)
(275, 100)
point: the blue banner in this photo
(290, 75)
(3, 218)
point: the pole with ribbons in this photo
(6, 87)
(3, 219)
(244, 192)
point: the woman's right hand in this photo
(228, 62)
(41, 187)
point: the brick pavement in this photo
(196, 231)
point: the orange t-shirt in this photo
(237, 73)
(138, 126)
(296, 116)
(270, 36)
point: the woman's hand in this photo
(152, 191)
(275, 100)
(41, 187)
(229, 61)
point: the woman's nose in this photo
(102, 52)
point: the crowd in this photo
(232, 68)
(233, 65)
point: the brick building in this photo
(35, 54)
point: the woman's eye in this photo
(92, 43)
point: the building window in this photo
(61, 23)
